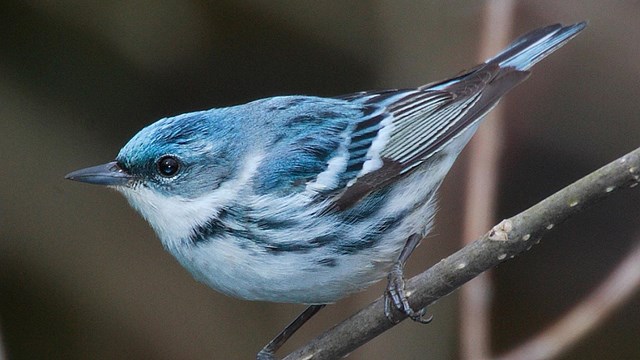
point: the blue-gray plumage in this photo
(306, 199)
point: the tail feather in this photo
(534, 46)
(521, 54)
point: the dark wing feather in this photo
(425, 120)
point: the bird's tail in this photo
(534, 46)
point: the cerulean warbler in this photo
(305, 199)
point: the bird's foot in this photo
(397, 296)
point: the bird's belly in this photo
(310, 277)
(312, 264)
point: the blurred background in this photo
(82, 276)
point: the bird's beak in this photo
(110, 174)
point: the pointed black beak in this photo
(110, 174)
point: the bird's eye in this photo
(168, 166)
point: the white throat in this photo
(174, 217)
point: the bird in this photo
(306, 199)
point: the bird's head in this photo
(171, 170)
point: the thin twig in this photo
(481, 189)
(2, 350)
(504, 241)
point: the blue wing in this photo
(309, 133)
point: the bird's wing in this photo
(412, 126)
(345, 148)
(418, 124)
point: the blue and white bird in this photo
(306, 199)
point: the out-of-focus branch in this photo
(2, 351)
(506, 240)
(623, 282)
(480, 195)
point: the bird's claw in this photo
(397, 296)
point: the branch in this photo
(506, 240)
(3, 353)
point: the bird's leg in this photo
(267, 352)
(395, 287)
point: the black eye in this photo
(168, 166)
